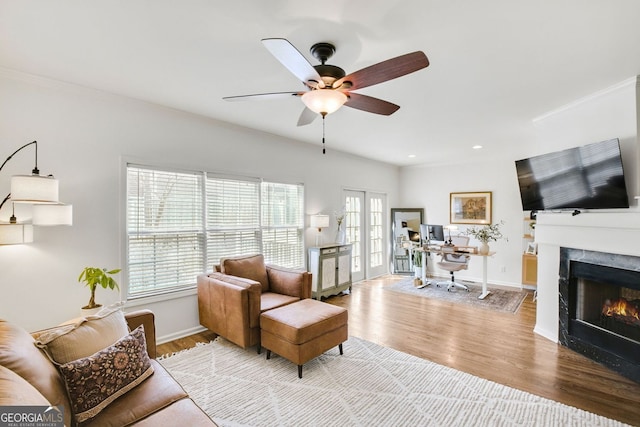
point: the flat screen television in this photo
(586, 177)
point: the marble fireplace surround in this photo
(611, 273)
(616, 232)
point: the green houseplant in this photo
(94, 277)
(417, 263)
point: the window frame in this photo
(184, 290)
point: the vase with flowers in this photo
(486, 234)
(341, 236)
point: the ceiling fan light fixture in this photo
(324, 101)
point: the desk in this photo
(485, 291)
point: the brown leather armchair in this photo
(231, 298)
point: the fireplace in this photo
(599, 307)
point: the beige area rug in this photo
(498, 299)
(369, 385)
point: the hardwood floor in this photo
(500, 347)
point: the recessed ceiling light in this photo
(477, 147)
(411, 156)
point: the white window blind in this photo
(179, 224)
(233, 218)
(282, 223)
(164, 229)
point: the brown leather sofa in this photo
(231, 298)
(28, 377)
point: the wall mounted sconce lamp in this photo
(319, 222)
(39, 191)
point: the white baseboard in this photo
(546, 334)
(180, 334)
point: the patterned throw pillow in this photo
(95, 381)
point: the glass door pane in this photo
(377, 255)
(354, 219)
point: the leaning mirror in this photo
(405, 236)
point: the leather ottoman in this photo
(303, 330)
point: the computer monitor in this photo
(435, 233)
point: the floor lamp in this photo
(37, 190)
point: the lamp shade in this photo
(34, 189)
(50, 214)
(319, 221)
(324, 101)
(15, 234)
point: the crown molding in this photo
(633, 81)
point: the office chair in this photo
(453, 262)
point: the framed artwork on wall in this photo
(470, 208)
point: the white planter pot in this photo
(484, 249)
(84, 312)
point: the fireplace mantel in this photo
(615, 232)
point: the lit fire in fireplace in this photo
(623, 310)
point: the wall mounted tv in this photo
(586, 177)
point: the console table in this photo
(330, 267)
(485, 291)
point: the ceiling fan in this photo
(327, 87)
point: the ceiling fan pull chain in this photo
(323, 150)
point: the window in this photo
(179, 224)
(282, 210)
(233, 218)
(164, 229)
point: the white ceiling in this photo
(495, 64)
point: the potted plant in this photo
(94, 277)
(486, 234)
(417, 263)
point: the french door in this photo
(366, 231)
(377, 208)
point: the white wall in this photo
(84, 137)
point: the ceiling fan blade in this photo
(306, 117)
(294, 61)
(371, 104)
(262, 96)
(385, 70)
